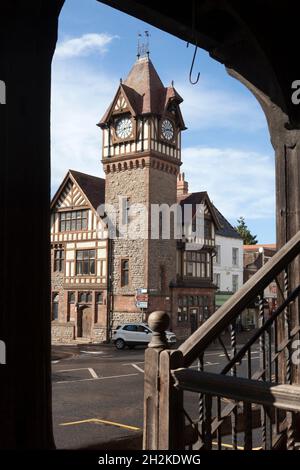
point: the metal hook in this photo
(192, 66)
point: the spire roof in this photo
(144, 80)
(145, 92)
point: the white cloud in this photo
(80, 95)
(238, 182)
(206, 106)
(83, 45)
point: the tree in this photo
(245, 233)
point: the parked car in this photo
(133, 334)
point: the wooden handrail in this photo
(223, 317)
(282, 396)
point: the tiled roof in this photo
(93, 187)
(226, 230)
(268, 246)
(144, 80)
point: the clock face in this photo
(124, 128)
(167, 129)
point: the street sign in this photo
(141, 298)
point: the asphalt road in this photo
(98, 392)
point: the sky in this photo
(226, 149)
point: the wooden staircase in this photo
(248, 405)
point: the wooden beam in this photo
(283, 396)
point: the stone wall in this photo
(99, 334)
(62, 332)
(119, 318)
(131, 183)
(150, 261)
(162, 253)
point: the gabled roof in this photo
(145, 92)
(200, 198)
(226, 230)
(133, 99)
(92, 187)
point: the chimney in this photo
(182, 185)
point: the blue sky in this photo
(226, 149)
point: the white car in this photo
(133, 334)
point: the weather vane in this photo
(143, 45)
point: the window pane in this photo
(89, 297)
(92, 267)
(85, 267)
(79, 267)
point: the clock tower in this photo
(141, 157)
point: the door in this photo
(87, 317)
(194, 319)
(84, 322)
(143, 334)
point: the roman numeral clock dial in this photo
(167, 130)
(124, 128)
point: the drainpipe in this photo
(109, 307)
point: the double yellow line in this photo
(101, 421)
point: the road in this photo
(98, 392)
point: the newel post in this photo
(163, 417)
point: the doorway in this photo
(84, 322)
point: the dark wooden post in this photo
(28, 32)
(171, 417)
(287, 153)
(158, 322)
(163, 415)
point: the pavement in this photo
(98, 393)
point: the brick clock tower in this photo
(141, 157)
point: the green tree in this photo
(245, 233)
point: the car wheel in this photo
(120, 344)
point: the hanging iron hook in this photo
(192, 67)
